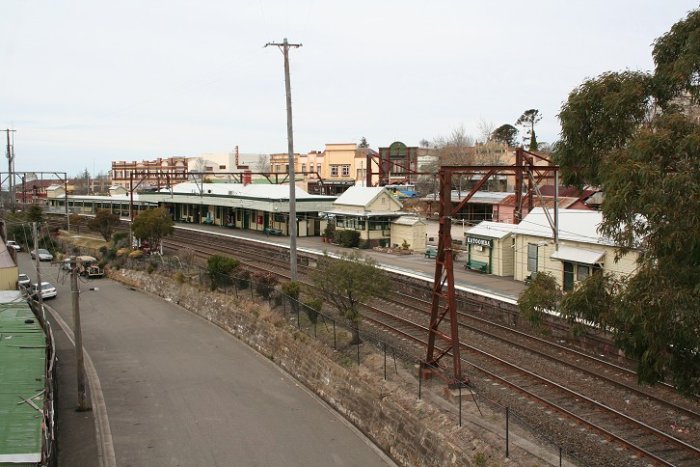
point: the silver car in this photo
(23, 280)
(14, 245)
(44, 255)
(47, 290)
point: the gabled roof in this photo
(576, 225)
(362, 196)
(408, 220)
(491, 229)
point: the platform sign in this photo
(479, 241)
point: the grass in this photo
(84, 240)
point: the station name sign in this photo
(479, 241)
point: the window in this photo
(222, 167)
(568, 276)
(318, 167)
(334, 170)
(532, 253)
(582, 272)
(303, 167)
(346, 171)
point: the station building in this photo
(256, 207)
(490, 249)
(581, 249)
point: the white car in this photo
(44, 255)
(47, 290)
(23, 280)
(14, 245)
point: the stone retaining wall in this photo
(412, 432)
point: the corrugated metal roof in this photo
(491, 229)
(359, 195)
(577, 225)
(578, 255)
(408, 220)
(262, 191)
(483, 197)
(22, 373)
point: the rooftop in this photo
(491, 229)
(22, 372)
(576, 225)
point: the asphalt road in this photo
(179, 391)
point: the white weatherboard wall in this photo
(410, 229)
(578, 229)
(500, 254)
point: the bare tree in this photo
(263, 163)
(456, 149)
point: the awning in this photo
(578, 255)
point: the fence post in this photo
(507, 430)
(384, 344)
(298, 319)
(420, 380)
(460, 404)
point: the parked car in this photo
(47, 290)
(44, 255)
(23, 280)
(14, 245)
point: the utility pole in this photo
(39, 290)
(284, 47)
(11, 166)
(83, 404)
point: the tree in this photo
(628, 133)
(35, 214)
(598, 119)
(348, 281)
(541, 295)
(263, 163)
(363, 143)
(677, 58)
(528, 120)
(104, 222)
(153, 225)
(506, 134)
(219, 269)
(455, 149)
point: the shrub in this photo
(120, 239)
(347, 238)
(242, 279)
(313, 308)
(543, 294)
(219, 269)
(136, 254)
(265, 283)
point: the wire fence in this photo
(397, 362)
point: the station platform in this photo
(416, 264)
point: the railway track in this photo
(649, 427)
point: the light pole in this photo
(83, 404)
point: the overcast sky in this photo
(87, 82)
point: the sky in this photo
(84, 83)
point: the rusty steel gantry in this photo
(444, 305)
